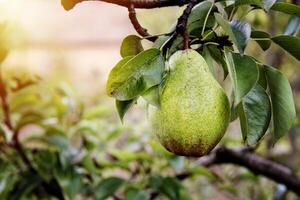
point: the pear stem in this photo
(186, 40)
(181, 27)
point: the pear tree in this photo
(261, 94)
(176, 76)
(197, 79)
(188, 108)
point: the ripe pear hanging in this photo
(194, 109)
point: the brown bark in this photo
(255, 163)
(147, 4)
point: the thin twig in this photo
(137, 26)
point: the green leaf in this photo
(8, 179)
(238, 31)
(255, 115)
(135, 194)
(293, 26)
(203, 171)
(226, 27)
(231, 188)
(160, 41)
(262, 81)
(108, 187)
(131, 46)
(289, 43)
(168, 186)
(221, 8)
(30, 117)
(233, 112)
(128, 81)
(128, 156)
(230, 10)
(241, 31)
(70, 181)
(283, 108)
(218, 57)
(268, 4)
(262, 38)
(124, 106)
(155, 182)
(176, 45)
(243, 72)
(287, 8)
(258, 3)
(61, 143)
(7, 184)
(25, 185)
(115, 71)
(265, 4)
(209, 60)
(152, 96)
(96, 112)
(198, 15)
(45, 161)
(184, 194)
(88, 163)
(171, 188)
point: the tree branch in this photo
(147, 4)
(7, 121)
(51, 187)
(256, 164)
(222, 155)
(181, 27)
(139, 29)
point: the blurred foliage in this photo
(82, 151)
(79, 150)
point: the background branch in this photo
(51, 187)
(146, 4)
(248, 159)
(254, 163)
(7, 121)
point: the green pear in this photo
(194, 110)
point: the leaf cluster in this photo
(261, 93)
